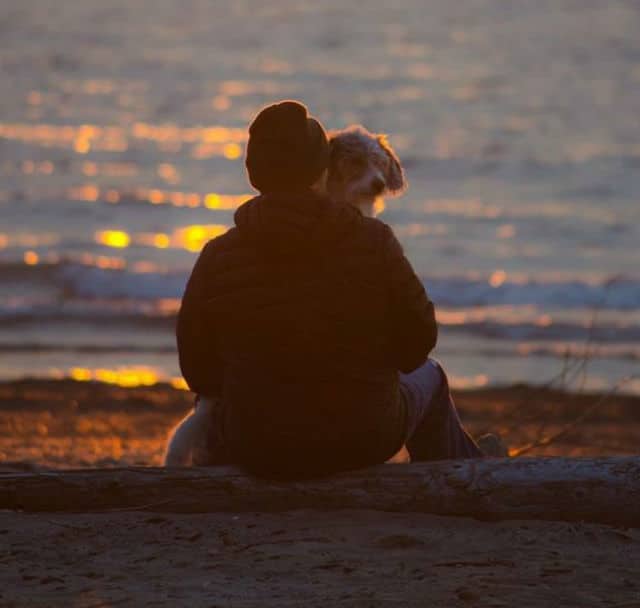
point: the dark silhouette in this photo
(298, 320)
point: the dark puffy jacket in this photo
(300, 317)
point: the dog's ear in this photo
(335, 156)
(395, 178)
(334, 147)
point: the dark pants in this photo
(433, 430)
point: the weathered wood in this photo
(603, 490)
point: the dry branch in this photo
(603, 490)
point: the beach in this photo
(123, 131)
(312, 558)
(69, 424)
(122, 141)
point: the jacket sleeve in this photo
(200, 363)
(412, 327)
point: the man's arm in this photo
(412, 327)
(200, 364)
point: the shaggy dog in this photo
(187, 441)
(362, 169)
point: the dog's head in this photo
(362, 167)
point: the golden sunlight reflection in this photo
(113, 238)
(453, 317)
(103, 261)
(128, 377)
(134, 376)
(168, 173)
(82, 141)
(179, 383)
(185, 199)
(505, 314)
(156, 197)
(88, 193)
(218, 202)
(193, 238)
(111, 169)
(224, 202)
(232, 151)
(144, 267)
(82, 145)
(112, 196)
(85, 138)
(467, 382)
(29, 167)
(168, 306)
(161, 241)
(544, 321)
(29, 240)
(497, 278)
(31, 258)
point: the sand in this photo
(66, 424)
(299, 558)
(310, 558)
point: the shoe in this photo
(493, 446)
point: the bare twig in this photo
(544, 441)
(572, 369)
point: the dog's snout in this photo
(377, 185)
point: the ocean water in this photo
(122, 134)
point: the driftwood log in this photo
(602, 490)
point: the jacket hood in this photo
(304, 221)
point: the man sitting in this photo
(307, 326)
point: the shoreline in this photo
(71, 424)
(308, 557)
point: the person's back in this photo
(299, 318)
(309, 318)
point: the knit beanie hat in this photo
(287, 149)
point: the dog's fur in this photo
(189, 436)
(362, 169)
